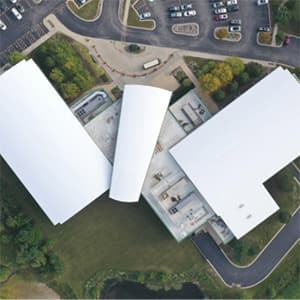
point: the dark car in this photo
(174, 8)
(2, 6)
(233, 8)
(235, 22)
(20, 8)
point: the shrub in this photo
(280, 36)
(254, 69)
(296, 71)
(284, 216)
(207, 67)
(223, 72)
(265, 37)
(233, 86)
(222, 33)
(283, 15)
(134, 48)
(15, 57)
(187, 82)
(284, 180)
(243, 78)
(219, 95)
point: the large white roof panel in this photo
(230, 156)
(46, 146)
(142, 113)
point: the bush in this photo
(210, 83)
(134, 48)
(219, 95)
(207, 67)
(243, 78)
(283, 15)
(284, 180)
(222, 33)
(187, 83)
(223, 72)
(284, 216)
(296, 71)
(280, 36)
(233, 86)
(254, 69)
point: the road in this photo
(109, 27)
(265, 263)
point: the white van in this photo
(16, 13)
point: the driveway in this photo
(263, 266)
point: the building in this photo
(143, 110)
(230, 156)
(46, 146)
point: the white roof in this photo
(142, 113)
(230, 156)
(46, 146)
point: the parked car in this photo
(235, 28)
(264, 29)
(145, 15)
(190, 13)
(233, 8)
(221, 17)
(262, 2)
(16, 13)
(174, 8)
(186, 7)
(176, 14)
(2, 6)
(231, 2)
(20, 8)
(220, 11)
(235, 22)
(218, 4)
(13, 1)
(287, 40)
(2, 25)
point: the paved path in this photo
(261, 267)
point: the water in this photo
(134, 290)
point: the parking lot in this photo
(20, 34)
(251, 15)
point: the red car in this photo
(221, 17)
(287, 40)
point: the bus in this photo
(151, 64)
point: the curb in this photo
(183, 33)
(98, 14)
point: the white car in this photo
(218, 4)
(190, 13)
(2, 26)
(220, 11)
(145, 15)
(221, 17)
(235, 28)
(262, 2)
(16, 13)
(177, 14)
(232, 2)
(13, 1)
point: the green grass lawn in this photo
(88, 11)
(111, 235)
(262, 234)
(133, 19)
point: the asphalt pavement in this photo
(263, 265)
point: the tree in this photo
(222, 33)
(254, 69)
(243, 78)
(69, 90)
(283, 15)
(134, 48)
(219, 95)
(233, 86)
(210, 83)
(223, 71)
(29, 237)
(55, 264)
(207, 68)
(15, 57)
(270, 292)
(57, 76)
(284, 216)
(236, 64)
(17, 221)
(284, 180)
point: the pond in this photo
(134, 290)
